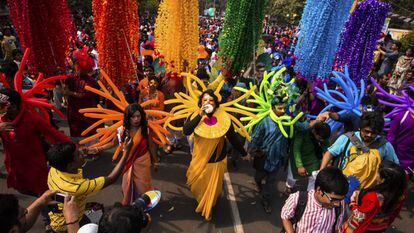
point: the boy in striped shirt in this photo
(324, 208)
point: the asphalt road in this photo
(175, 212)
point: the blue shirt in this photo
(267, 137)
(386, 151)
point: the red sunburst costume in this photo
(24, 154)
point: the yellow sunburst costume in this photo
(263, 99)
(107, 134)
(207, 167)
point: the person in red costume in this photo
(22, 132)
(77, 97)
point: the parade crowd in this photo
(41, 161)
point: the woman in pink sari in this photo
(136, 178)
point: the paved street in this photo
(175, 213)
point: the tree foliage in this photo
(408, 40)
(148, 5)
(285, 12)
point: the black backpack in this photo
(300, 209)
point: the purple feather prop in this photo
(400, 103)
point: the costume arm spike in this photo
(190, 87)
(196, 79)
(105, 141)
(217, 91)
(118, 116)
(240, 127)
(117, 92)
(98, 110)
(247, 108)
(94, 125)
(240, 111)
(244, 96)
(213, 85)
(19, 74)
(117, 103)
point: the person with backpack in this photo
(319, 210)
(359, 154)
(374, 209)
(306, 154)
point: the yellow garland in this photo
(177, 34)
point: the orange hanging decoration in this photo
(117, 37)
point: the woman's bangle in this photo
(71, 223)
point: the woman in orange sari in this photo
(136, 178)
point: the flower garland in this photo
(362, 31)
(44, 26)
(176, 34)
(117, 37)
(320, 28)
(242, 30)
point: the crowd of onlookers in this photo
(326, 203)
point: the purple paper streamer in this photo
(360, 37)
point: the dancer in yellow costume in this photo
(210, 123)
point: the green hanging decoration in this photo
(243, 25)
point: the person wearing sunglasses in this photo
(322, 209)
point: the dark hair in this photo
(150, 68)
(60, 155)
(278, 100)
(153, 77)
(369, 100)
(322, 129)
(392, 187)
(122, 219)
(129, 111)
(210, 93)
(398, 44)
(202, 74)
(14, 96)
(374, 120)
(149, 59)
(15, 52)
(9, 68)
(9, 212)
(332, 180)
